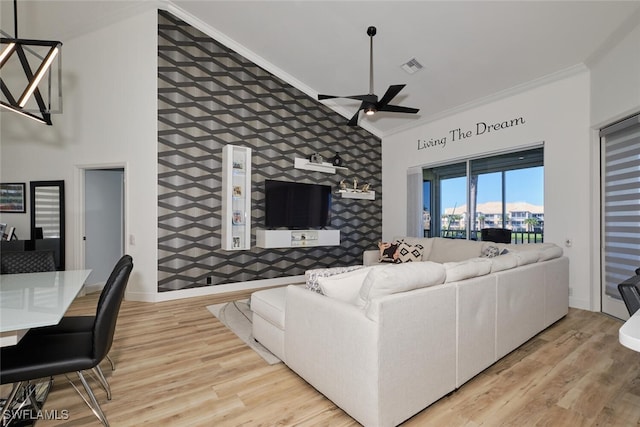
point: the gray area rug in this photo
(236, 315)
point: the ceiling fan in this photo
(370, 103)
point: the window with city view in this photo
(501, 191)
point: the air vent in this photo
(412, 66)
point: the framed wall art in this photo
(12, 197)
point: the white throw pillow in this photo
(394, 278)
(345, 286)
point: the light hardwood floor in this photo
(178, 365)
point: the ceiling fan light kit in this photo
(369, 102)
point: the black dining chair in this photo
(27, 262)
(81, 324)
(43, 355)
(630, 292)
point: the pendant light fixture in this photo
(16, 54)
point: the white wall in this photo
(556, 113)
(615, 81)
(110, 117)
(615, 94)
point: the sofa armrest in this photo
(334, 347)
(381, 371)
(370, 257)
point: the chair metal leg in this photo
(103, 380)
(93, 405)
(113, 365)
(4, 418)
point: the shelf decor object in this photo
(337, 160)
(316, 167)
(236, 198)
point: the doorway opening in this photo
(104, 221)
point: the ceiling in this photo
(471, 50)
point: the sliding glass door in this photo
(501, 191)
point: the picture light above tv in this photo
(297, 205)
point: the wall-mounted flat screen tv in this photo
(296, 205)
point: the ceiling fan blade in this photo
(389, 95)
(368, 98)
(399, 109)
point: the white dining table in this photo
(629, 332)
(31, 300)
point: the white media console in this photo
(296, 238)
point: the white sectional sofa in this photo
(385, 341)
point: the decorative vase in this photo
(337, 160)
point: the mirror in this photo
(47, 218)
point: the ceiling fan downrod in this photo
(371, 31)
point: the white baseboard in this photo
(580, 303)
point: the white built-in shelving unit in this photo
(317, 167)
(236, 198)
(356, 194)
(296, 238)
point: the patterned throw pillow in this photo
(388, 251)
(491, 252)
(312, 276)
(409, 253)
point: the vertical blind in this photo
(620, 144)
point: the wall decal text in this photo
(458, 134)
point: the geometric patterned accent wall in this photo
(210, 96)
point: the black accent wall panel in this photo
(210, 96)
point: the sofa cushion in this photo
(452, 250)
(504, 262)
(269, 304)
(550, 252)
(461, 270)
(311, 276)
(527, 257)
(344, 287)
(394, 278)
